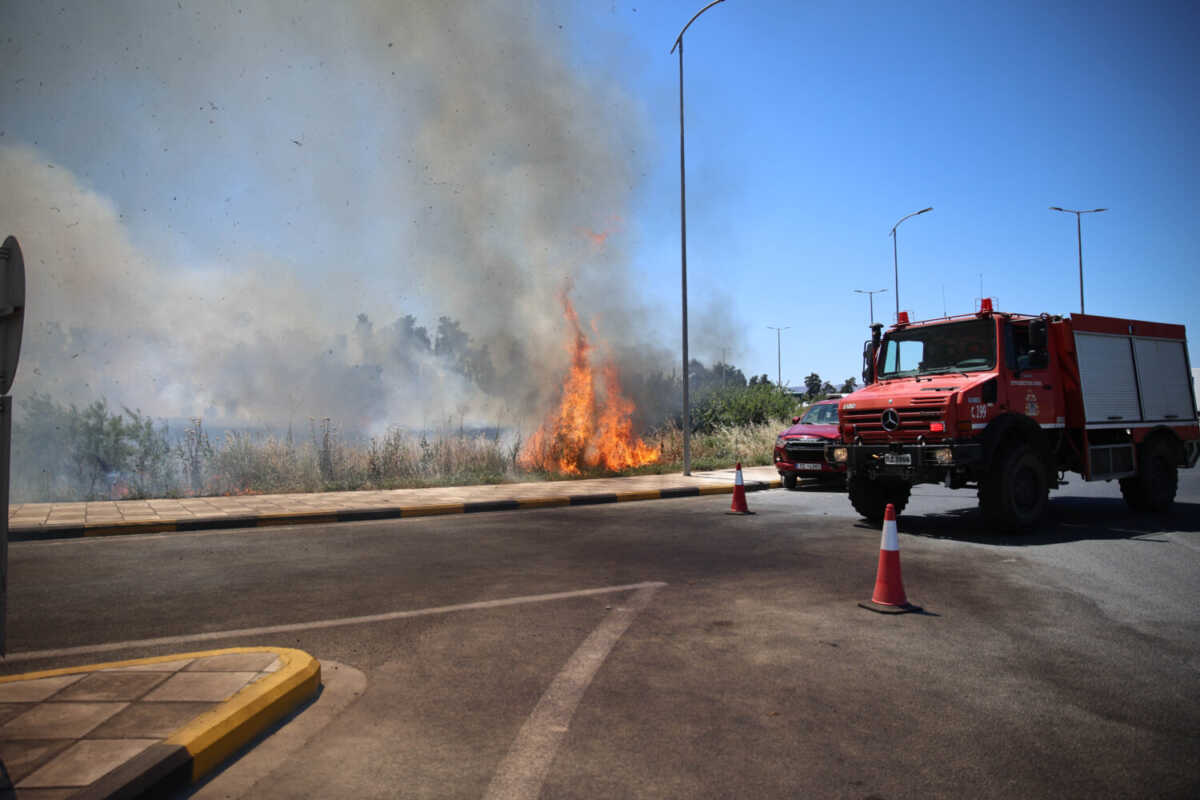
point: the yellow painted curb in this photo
(653, 494)
(544, 502)
(216, 734)
(716, 489)
(431, 511)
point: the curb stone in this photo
(45, 532)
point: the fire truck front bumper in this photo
(915, 462)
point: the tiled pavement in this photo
(91, 730)
(36, 520)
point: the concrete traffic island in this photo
(33, 521)
(145, 726)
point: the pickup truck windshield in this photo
(821, 415)
(954, 347)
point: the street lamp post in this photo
(871, 298)
(687, 419)
(1079, 240)
(895, 264)
(778, 351)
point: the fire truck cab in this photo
(1009, 403)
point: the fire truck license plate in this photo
(897, 459)
(812, 467)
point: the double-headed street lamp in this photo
(895, 265)
(871, 295)
(778, 357)
(1079, 239)
(687, 420)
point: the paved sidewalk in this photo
(62, 520)
(143, 726)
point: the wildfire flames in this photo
(587, 431)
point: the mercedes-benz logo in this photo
(891, 419)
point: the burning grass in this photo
(92, 454)
(589, 429)
(401, 460)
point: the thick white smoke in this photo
(208, 198)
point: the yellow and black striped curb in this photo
(203, 744)
(40, 532)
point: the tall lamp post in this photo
(687, 418)
(871, 295)
(778, 351)
(895, 264)
(1079, 239)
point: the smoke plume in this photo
(360, 210)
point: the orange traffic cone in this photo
(889, 595)
(739, 494)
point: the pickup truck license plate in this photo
(809, 467)
(897, 459)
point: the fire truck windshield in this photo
(967, 346)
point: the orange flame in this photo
(584, 432)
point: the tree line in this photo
(65, 452)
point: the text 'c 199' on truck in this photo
(1009, 403)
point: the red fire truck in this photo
(1009, 403)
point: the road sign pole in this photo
(5, 453)
(12, 319)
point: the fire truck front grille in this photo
(913, 421)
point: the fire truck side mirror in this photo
(1038, 339)
(868, 362)
(1037, 334)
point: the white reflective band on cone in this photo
(737, 481)
(891, 536)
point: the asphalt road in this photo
(736, 663)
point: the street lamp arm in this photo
(679, 38)
(1077, 213)
(897, 225)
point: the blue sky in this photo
(393, 157)
(813, 127)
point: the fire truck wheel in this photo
(1015, 496)
(870, 497)
(789, 480)
(1153, 488)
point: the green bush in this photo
(756, 404)
(64, 453)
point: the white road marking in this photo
(523, 770)
(32, 655)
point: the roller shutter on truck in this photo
(1163, 375)
(1133, 379)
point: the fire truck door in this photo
(1031, 390)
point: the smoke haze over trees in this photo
(364, 211)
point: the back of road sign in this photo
(12, 310)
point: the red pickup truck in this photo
(800, 450)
